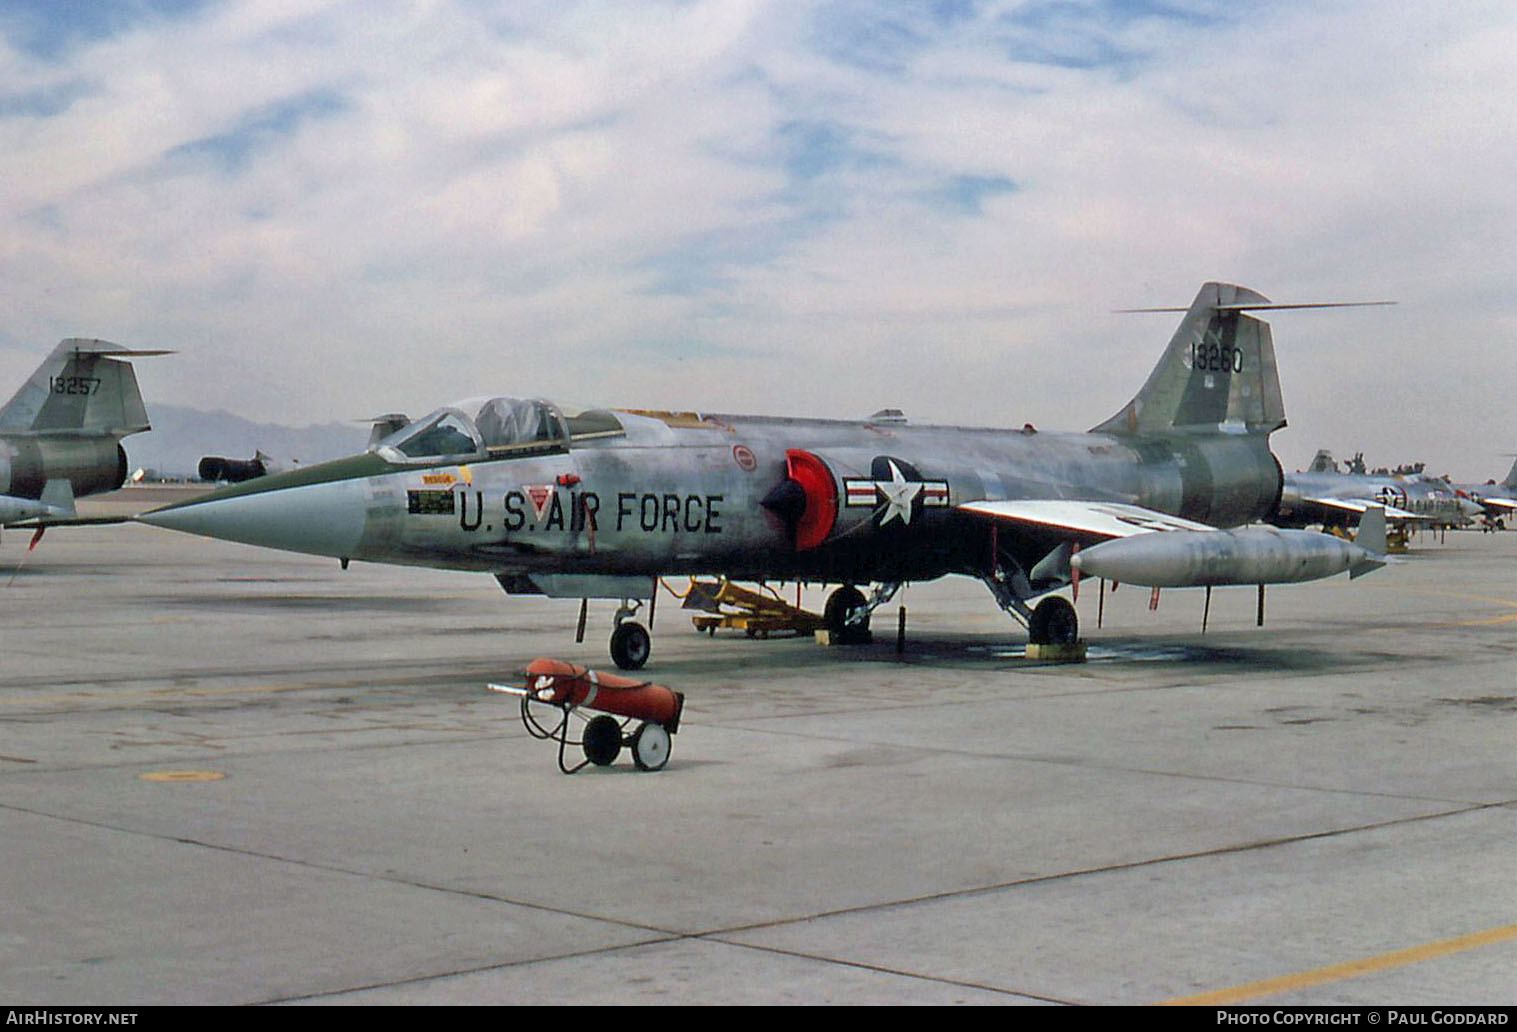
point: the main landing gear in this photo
(846, 615)
(1053, 622)
(847, 612)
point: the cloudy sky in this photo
(334, 208)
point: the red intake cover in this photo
(816, 482)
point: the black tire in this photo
(602, 740)
(840, 603)
(630, 645)
(1054, 622)
(650, 747)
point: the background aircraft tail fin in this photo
(1323, 462)
(1218, 372)
(1510, 483)
(83, 386)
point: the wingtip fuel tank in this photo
(1251, 555)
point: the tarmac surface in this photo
(229, 775)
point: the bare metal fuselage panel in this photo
(689, 496)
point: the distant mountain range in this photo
(182, 436)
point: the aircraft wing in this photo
(1358, 505)
(1133, 553)
(1102, 519)
(1499, 503)
(43, 522)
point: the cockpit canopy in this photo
(480, 428)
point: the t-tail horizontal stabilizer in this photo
(84, 387)
(1218, 373)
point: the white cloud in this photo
(341, 208)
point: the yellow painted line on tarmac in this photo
(182, 776)
(1469, 598)
(1351, 969)
(1484, 621)
(1487, 623)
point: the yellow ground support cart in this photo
(756, 614)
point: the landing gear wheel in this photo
(650, 747)
(1053, 623)
(602, 740)
(840, 604)
(630, 645)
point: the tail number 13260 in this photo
(1211, 357)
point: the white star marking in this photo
(898, 495)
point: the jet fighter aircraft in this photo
(1497, 499)
(602, 503)
(60, 436)
(1324, 495)
(215, 468)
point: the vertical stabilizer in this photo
(1510, 483)
(1217, 375)
(1371, 538)
(58, 494)
(84, 386)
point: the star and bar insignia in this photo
(895, 490)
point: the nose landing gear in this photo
(630, 645)
(630, 642)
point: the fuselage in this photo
(683, 493)
(90, 463)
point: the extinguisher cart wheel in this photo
(650, 747)
(602, 740)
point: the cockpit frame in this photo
(498, 428)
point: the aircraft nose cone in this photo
(321, 519)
